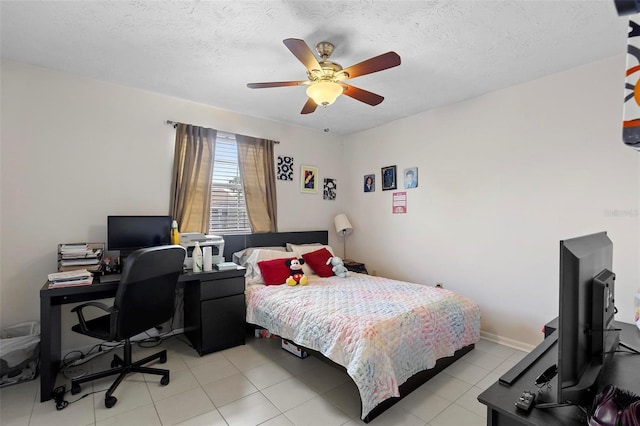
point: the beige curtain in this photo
(257, 168)
(192, 175)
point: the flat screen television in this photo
(586, 336)
(129, 233)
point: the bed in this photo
(390, 336)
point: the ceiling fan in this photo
(326, 78)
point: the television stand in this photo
(500, 398)
(630, 348)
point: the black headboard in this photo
(237, 242)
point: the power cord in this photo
(58, 395)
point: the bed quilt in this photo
(382, 331)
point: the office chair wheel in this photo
(165, 380)
(75, 389)
(163, 358)
(110, 401)
(114, 364)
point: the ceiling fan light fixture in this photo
(324, 92)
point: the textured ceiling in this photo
(207, 51)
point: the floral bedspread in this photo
(381, 330)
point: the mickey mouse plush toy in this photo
(297, 275)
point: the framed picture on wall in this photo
(369, 183)
(389, 178)
(308, 179)
(411, 177)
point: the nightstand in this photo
(354, 266)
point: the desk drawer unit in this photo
(214, 311)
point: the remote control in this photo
(525, 401)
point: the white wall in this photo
(503, 178)
(75, 150)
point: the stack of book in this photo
(70, 278)
(80, 256)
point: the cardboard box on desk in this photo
(291, 348)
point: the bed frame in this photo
(234, 243)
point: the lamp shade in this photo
(343, 226)
(324, 92)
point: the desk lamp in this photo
(344, 228)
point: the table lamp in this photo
(344, 228)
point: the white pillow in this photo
(300, 249)
(253, 270)
(290, 245)
(240, 257)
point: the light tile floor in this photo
(258, 384)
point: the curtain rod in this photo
(175, 124)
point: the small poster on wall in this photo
(285, 168)
(308, 179)
(399, 202)
(330, 187)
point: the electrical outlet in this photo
(439, 285)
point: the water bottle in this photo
(197, 258)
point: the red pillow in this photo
(275, 271)
(317, 260)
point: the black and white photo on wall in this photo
(285, 168)
(330, 187)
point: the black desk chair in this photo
(145, 298)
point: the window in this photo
(228, 207)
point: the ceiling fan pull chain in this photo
(325, 119)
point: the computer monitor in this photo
(129, 233)
(586, 337)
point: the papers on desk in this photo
(70, 278)
(226, 266)
(80, 250)
(80, 256)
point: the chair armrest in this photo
(78, 310)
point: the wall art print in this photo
(308, 179)
(285, 168)
(330, 188)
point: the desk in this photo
(222, 290)
(500, 399)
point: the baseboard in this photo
(515, 344)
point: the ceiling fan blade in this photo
(309, 107)
(375, 64)
(362, 95)
(275, 84)
(301, 51)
